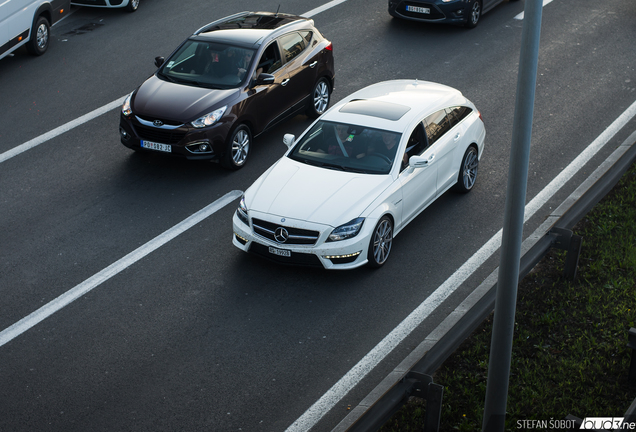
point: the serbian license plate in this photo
(156, 146)
(418, 9)
(280, 252)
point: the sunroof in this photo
(383, 110)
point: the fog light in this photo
(204, 147)
(123, 133)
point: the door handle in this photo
(458, 136)
(285, 82)
(313, 64)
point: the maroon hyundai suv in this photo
(227, 83)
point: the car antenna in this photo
(276, 14)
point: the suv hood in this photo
(294, 190)
(180, 102)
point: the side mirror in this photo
(159, 61)
(288, 140)
(264, 78)
(420, 161)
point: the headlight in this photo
(241, 211)
(125, 109)
(209, 119)
(348, 230)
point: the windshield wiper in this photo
(163, 75)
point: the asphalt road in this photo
(195, 335)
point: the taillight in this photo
(329, 47)
(480, 117)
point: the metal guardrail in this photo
(556, 232)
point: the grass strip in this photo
(569, 351)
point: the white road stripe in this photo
(521, 15)
(313, 415)
(89, 284)
(322, 8)
(61, 129)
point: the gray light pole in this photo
(506, 299)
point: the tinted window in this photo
(270, 60)
(292, 44)
(436, 125)
(460, 112)
(306, 35)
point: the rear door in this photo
(443, 138)
(301, 69)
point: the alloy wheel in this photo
(321, 97)
(469, 169)
(240, 147)
(382, 241)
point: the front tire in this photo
(40, 34)
(237, 148)
(320, 97)
(380, 244)
(468, 171)
(475, 15)
(133, 5)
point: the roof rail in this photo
(222, 20)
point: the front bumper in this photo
(340, 255)
(456, 13)
(176, 140)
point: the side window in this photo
(460, 112)
(417, 141)
(270, 60)
(292, 44)
(416, 145)
(306, 35)
(436, 125)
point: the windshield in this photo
(347, 147)
(208, 64)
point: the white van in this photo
(29, 22)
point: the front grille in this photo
(162, 136)
(435, 14)
(310, 260)
(297, 236)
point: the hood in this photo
(294, 190)
(180, 102)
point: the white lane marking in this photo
(521, 15)
(322, 8)
(313, 415)
(89, 284)
(61, 129)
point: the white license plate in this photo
(156, 146)
(280, 252)
(418, 9)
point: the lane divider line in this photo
(61, 129)
(94, 281)
(521, 15)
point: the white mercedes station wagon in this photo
(360, 173)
